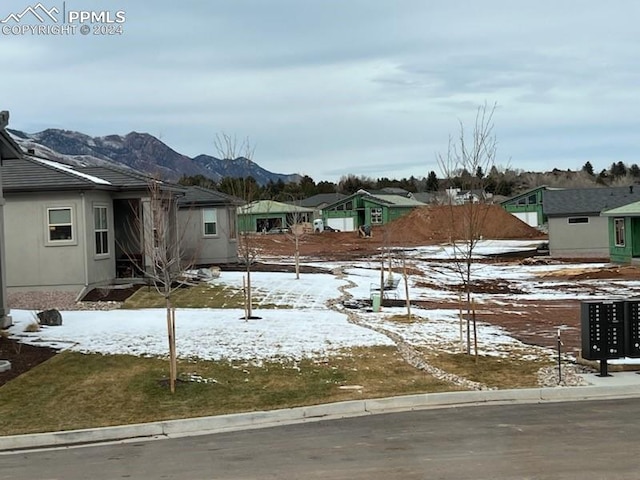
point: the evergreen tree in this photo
(618, 169)
(197, 180)
(588, 168)
(432, 182)
(602, 177)
(325, 186)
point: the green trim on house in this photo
(265, 215)
(370, 209)
(529, 201)
(624, 233)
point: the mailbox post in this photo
(603, 331)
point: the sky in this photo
(327, 88)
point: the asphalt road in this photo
(573, 440)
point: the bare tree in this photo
(297, 229)
(152, 232)
(467, 158)
(230, 148)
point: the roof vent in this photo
(31, 151)
(630, 188)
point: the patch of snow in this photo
(71, 170)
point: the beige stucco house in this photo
(75, 228)
(8, 150)
(208, 229)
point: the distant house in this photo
(576, 228)
(320, 201)
(8, 151)
(75, 228)
(456, 196)
(207, 222)
(427, 198)
(270, 216)
(365, 208)
(624, 233)
(527, 206)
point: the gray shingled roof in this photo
(587, 201)
(321, 199)
(200, 196)
(27, 175)
(118, 177)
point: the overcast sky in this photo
(331, 87)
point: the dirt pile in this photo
(444, 222)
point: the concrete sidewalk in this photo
(615, 379)
(619, 385)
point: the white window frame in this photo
(376, 215)
(50, 227)
(103, 231)
(619, 232)
(214, 222)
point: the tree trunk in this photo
(297, 258)
(171, 337)
(406, 285)
(468, 282)
(249, 309)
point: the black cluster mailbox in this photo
(610, 329)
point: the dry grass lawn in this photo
(74, 390)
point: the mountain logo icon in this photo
(39, 11)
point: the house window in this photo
(60, 226)
(376, 215)
(101, 230)
(210, 221)
(578, 220)
(533, 199)
(619, 230)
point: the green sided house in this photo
(364, 208)
(269, 216)
(624, 233)
(527, 206)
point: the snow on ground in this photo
(212, 334)
(440, 329)
(303, 325)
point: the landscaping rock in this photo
(50, 318)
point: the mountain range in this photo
(139, 151)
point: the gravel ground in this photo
(43, 300)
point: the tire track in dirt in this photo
(410, 354)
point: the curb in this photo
(290, 416)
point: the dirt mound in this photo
(444, 222)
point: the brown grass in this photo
(73, 390)
(498, 372)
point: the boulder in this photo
(50, 318)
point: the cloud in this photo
(334, 87)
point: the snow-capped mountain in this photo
(140, 151)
